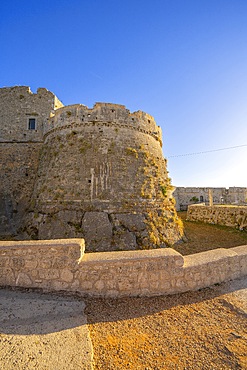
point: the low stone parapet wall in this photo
(62, 265)
(48, 264)
(233, 216)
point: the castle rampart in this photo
(78, 172)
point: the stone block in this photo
(154, 286)
(59, 262)
(66, 275)
(17, 263)
(4, 261)
(75, 285)
(124, 240)
(165, 286)
(48, 274)
(133, 222)
(86, 285)
(45, 263)
(23, 280)
(59, 285)
(97, 230)
(31, 264)
(99, 285)
(7, 276)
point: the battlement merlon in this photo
(105, 114)
(24, 92)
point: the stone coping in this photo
(119, 256)
(210, 256)
(58, 243)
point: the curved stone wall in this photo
(56, 265)
(103, 114)
(102, 176)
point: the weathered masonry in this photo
(77, 172)
(23, 116)
(227, 215)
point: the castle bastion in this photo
(72, 171)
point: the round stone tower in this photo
(102, 176)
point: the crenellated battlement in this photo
(102, 114)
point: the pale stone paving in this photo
(41, 331)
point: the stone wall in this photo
(48, 264)
(17, 105)
(233, 216)
(185, 196)
(62, 265)
(18, 169)
(19, 150)
(102, 177)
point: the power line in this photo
(207, 151)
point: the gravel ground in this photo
(195, 330)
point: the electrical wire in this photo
(206, 151)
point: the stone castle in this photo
(71, 171)
(186, 196)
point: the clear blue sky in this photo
(182, 61)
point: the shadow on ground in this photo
(28, 313)
(107, 310)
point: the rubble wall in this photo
(62, 265)
(233, 216)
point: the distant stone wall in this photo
(186, 196)
(234, 216)
(62, 265)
